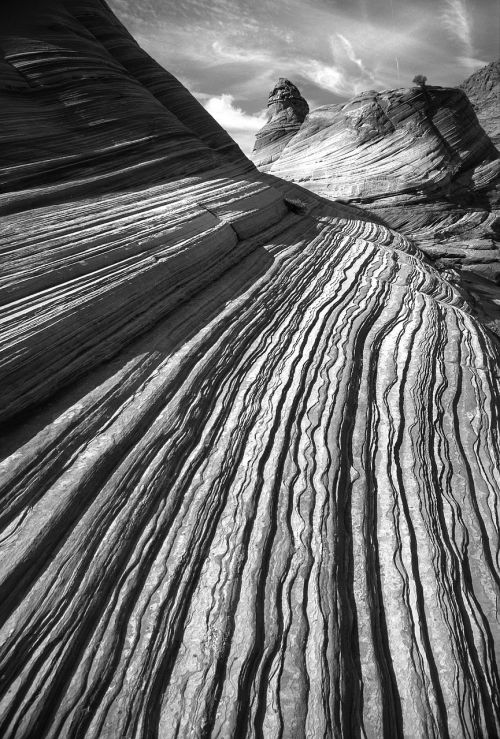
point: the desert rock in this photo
(417, 160)
(286, 110)
(250, 476)
(483, 90)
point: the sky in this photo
(229, 53)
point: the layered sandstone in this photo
(483, 90)
(251, 472)
(417, 160)
(286, 112)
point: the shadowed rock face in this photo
(483, 90)
(251, 472)
(287, 110)
(419, 161)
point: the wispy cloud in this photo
(223, 53)
(457, 21)
(332, 49)
(327, 76)
(351, 55)
(346, 76)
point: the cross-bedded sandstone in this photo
(251, 464)
(418, 161)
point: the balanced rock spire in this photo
(287, 111)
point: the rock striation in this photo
(286, 110)
(483, 90)
(250, 476)
(417, 160)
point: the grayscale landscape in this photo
(249, 378)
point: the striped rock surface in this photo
(251, 466)
(286, 110)
(418, 161)
(483, 90)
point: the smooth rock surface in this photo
(250, 483)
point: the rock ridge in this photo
(419, 161)
(287, 110)
(483, 90)
(250, 466)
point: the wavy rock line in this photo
(250, 463)
(417, 160)
(265, 535)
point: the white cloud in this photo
(232, 118)
(240, 125)
(457, 22)
(326, 76)
(223, 53)
(331, 50)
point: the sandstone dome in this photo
(250, 462)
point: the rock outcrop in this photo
(418, 161)
(286, 110)
(483, 90)
(250, 483)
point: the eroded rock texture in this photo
(419, 161)
(483, 90)
(286, 110)
(273, 511)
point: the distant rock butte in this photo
(250, 483)
(287, 110)
(419, 161)
(483, 90)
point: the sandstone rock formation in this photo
(483, 90)
(418, 161)
(251, 467)
(287, 110)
